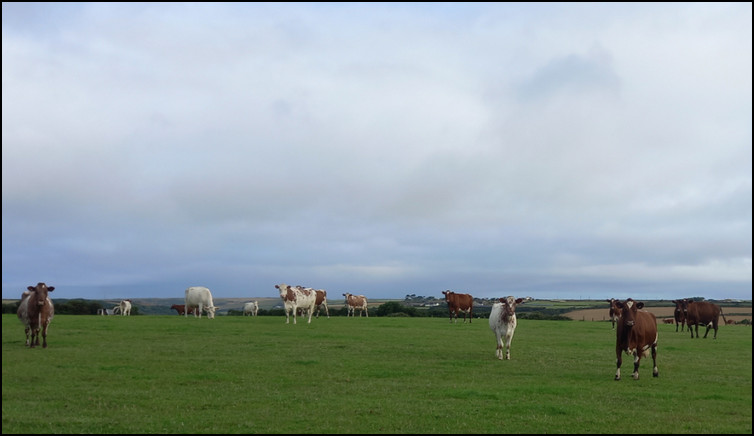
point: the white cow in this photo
(297, 297)
(200, 298)
(503, 324)
(251, 308)
(125, 307)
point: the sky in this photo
(557, 151)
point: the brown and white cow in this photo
(503, 324)
(295, 297)
(704, 313)
(36, 312)
(614, 312)
(637, 336)
(321, 301)
(459, 303)
(354, 302)
(679, 314)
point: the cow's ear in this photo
(51, 288)
(639, 305)
(519, 300)
(619, 305)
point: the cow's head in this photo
(448, 293)
(509, 305)
(210, 311)
(283, 288)
(40, 293)
(628, 311)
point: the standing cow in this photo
(459, 303)
(321, 302)
(125, 307)
(704, 313)
(297, 297)
(354, 302)
(679, 314)
(637, 336)
(36, 312)
(199, 298)
(503, 324)
(251, 308)
(614, 312)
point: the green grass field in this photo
(168, 374)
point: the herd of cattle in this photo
(636, 329)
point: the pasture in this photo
(169, 374)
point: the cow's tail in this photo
(721, 313)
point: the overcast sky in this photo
(545, 150)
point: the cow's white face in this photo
(210, 312)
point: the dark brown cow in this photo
(637, 334)
(36, 312)
(704, 313)
(679, 314)
(459, 303)
(181, 309)
(614, 312)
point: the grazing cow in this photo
(125, 307)
(614, 312)
(181, 309)
(668, 321)
(354, 302)
(637, 334)
(36, 312)
(459, 303)
(297, 297)
(704, 313)
(730, 321)
(251, 308)
(503, 324)
(321, 301)
(199, 298)
(679, 314)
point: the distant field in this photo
(735, 313)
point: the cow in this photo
(36, 312)
(125, 307)
(354, 302)
(459, 303)
(503, 324)
(199, 298)
(321, 301)
(614, 312)
(730, 322)
(181, 309)
(704, 313)
(679, 315)
(295, 297)
(668, 321)
(636, 336)
(251, 308)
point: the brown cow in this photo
(679, 314)
(668, 321)
(637, 334)
(704, 313)
(181, 309)
(614, 312)
(36, 312)
(459, 303)
(730, 322)
(354, 302)
(320, 302)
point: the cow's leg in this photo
(27, 330)
(618, 362)
(637, 360)
(311, 311)
(655, 371)
(499, 350)
(508, 340)
(44, 337)
(327, 312)
(706, 331)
